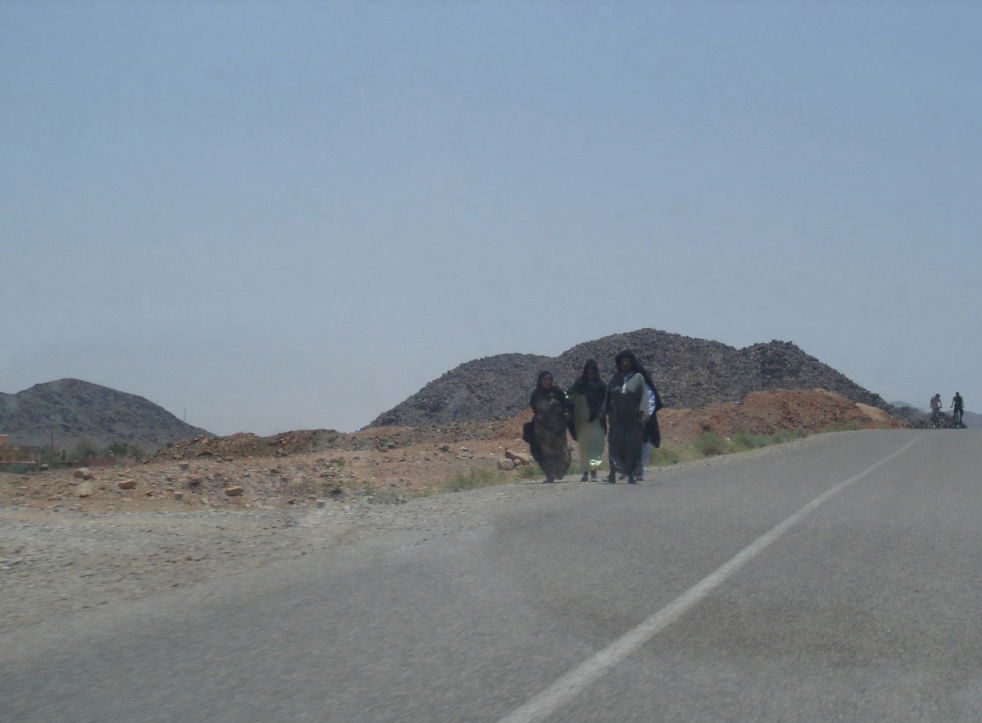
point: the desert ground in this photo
(71, 539)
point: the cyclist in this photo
(958, 404)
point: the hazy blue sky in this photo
(279, 215)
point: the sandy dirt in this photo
(382, 464)
(71, 539)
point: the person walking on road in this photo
(589, 425)
(627, 407)
(551, 411)
(958, 404)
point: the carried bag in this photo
(528, 432)
(653, 432)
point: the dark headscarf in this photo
(636, 367)
(541, 391)
(592, 387)
(626, 354)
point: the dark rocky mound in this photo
(689, 373)
(76, 410)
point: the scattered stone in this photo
(83, 473)
(506, 463)
(85, 489)
(234, 491)
(127, 484)
(444, 447)
(518, 459)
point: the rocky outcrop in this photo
(689, 373)
(72, 410)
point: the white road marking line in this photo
(568, 686)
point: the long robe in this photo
(549, 448)
(652, 435)
(590, 434)
(626, 403)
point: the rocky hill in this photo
(75, 410)
(689, 373)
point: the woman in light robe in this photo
(588, 397)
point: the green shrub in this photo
(118, 448)
(85, 447)
(711, 444)
(788, 435)
(476, 477)
(746, 440)
(664, 456)
(532, 470)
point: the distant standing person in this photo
(936, 408)
(627, 407)
(589, 397)
(552, 412)
(958, 404)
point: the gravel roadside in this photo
(56, 562)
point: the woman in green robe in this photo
(588, 397)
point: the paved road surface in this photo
(836, 579)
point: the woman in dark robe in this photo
(588, 397)
(627, 410)
(552, 412)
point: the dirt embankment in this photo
(212, 506)
(768, 412)
(381, 464)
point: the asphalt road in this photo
(838, 579)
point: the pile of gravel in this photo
(690, 373)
